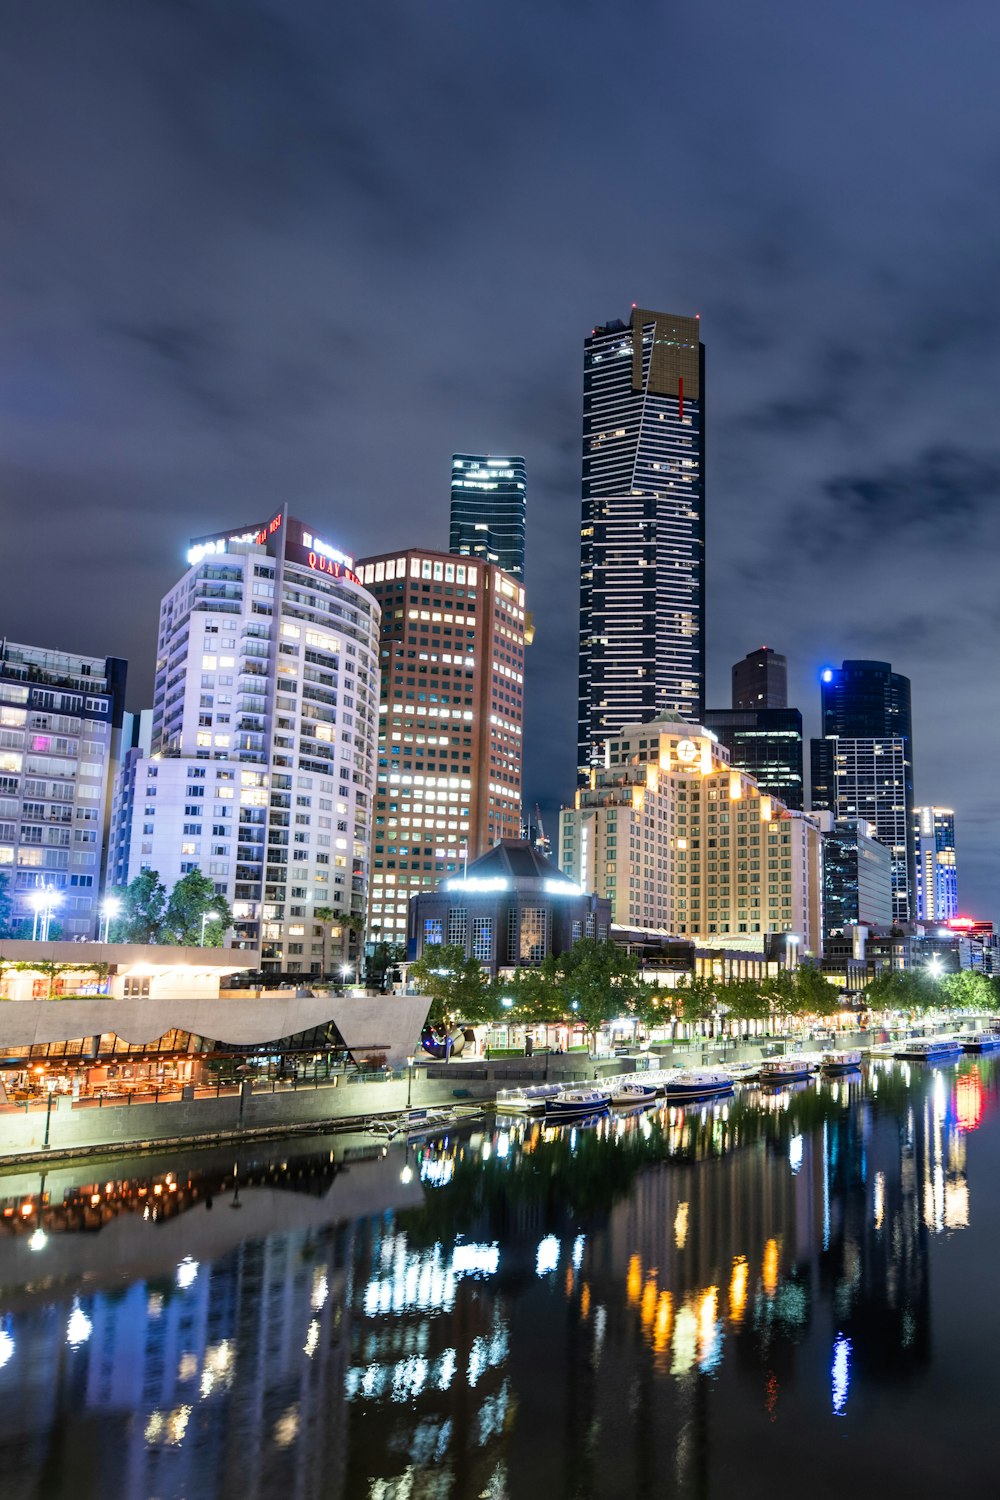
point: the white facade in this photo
(680, 842)
(264, 737)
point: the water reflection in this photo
(585, 1311)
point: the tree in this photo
(456, 985)
(596, 981)
(143, 907)
(814, 995)
(192, 898)
(969, 991)
(6, 908)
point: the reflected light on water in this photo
(6, 1347)
(547, 1257)
(79, 1327)
(770, 1268)
(738, 1288)
(840, 1374)
(681, 1225)
(795, 1153)
(633, 1281)
(878, 1205)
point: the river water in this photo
(792, 1291)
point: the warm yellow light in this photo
(765, 809)
(662, 1322)
(738, 1288)
(735, 786)
(771, 1267)
(681, 1225)
(707, 1315)
(585, 1301)
(647, 1308)
(633, 1282)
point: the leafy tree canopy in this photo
(193, 897)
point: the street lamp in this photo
(792, 943)
(110, 908)
(409, 1079)
(206, 917)
(50, 1084)
(345, 970)
(44, 903)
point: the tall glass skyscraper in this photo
(863, 765)
(642, 553)
(488, 510)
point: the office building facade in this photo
(681, 842)
(857, 875)
(60, 726)
(767, 744)
(642, 537)
(862, 767)
(451, 719)
(760, 680)
(489, 509)
(265, 723)
(936, 873)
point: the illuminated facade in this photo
(60, 726)
(767, 744)
(679, 840)
(936, 874)
(488, 510)
(642, 538)
(857, 875)
(862, 767)
(452, 709)
(263, 740)
(511, 909)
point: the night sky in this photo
(303, 251)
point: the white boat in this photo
(577, 1104)
(981, 1041)
(775, 1071)
(927, 1049)
(527, 1101)
(840, 1062)
(697, 1083)
(633, 1091)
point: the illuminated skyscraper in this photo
(642, 553)
(937, 877)
(488, 510)
(449, 753)
(863, 765)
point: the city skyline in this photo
(186, 346)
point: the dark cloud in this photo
(293, 251)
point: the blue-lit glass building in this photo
(642, 539)
(937, 875)
(488, 509)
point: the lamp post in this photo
(44, 903)
(409, 1079)
(206, 917)
(345, 970)
(110, 908)
(50, 1084)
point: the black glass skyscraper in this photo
(642, 553)
(488, 509)
(863, 765)
(766, 743)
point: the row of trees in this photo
(594, 983)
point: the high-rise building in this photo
(452, 709)
(857, 875)
(642, 552)
(767, 744)
(488, 509)
(936, 873)
(862, 767)
(760, 680)
(681, 842)
(265, 724)
(60, 725)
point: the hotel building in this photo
(264, 730)
(450, 727)
(642, 537)
(60, 724)
(681, 842)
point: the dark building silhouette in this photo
(760, 680)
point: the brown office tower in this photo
(451, 714)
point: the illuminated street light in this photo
(109, 908)
(44, 903)
(935, 966)
(206, 917)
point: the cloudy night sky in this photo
(302, 251)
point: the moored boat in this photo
(697, 1083)
(632, 1091)
(775, 1071)
(927, 1049)
(526, 1101)
(840, 1062)
(981, 1041)
(577, 1104)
